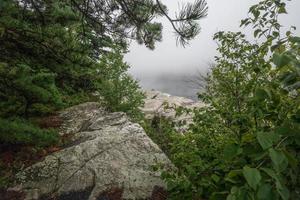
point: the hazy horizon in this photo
(169, 59)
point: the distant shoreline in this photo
(173, 84)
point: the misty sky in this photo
(169, 58)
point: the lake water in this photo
(185, 85)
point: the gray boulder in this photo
(109, 158)
(158, 104)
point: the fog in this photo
(168, 67)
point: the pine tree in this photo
(52, 55)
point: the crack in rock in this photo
(111, 152)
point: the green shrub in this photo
(117, 89)
(20, 132)
(162, 132)
(245, 143)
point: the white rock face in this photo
(155, 105)
(109, 158)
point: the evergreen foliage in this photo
(18, 132)
(120, 92)
(55, 54)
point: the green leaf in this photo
(238, 194)
(289, 129)
(261, 94)
(256, 13)
(276, 58)
(281, 60)
(244, 21)
(231, 197)
(234, 173)
(275, 33)
(270, 172)
(252, 176)
(265, 192)
(295, 39)
(230, 180)
(259, 156)
(291, 158)
(256, 32)
(282, 10)
(279, 160)
(232, 150)
(266, 140)
(282, 190)
(215, 178)
(289, 79)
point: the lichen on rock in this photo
(108, 151)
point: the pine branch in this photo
(185, 25)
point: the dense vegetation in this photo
(55, 54)
(245, 143)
